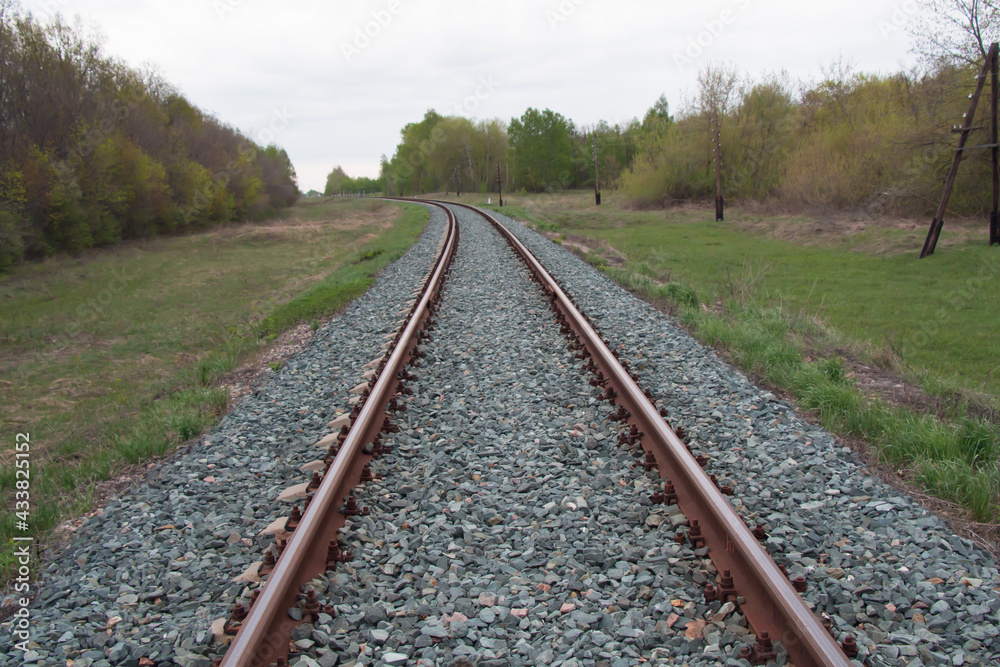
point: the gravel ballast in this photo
(881, 566)
(146, 575)
(507, 527)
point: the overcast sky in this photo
(334, 82)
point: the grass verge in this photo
(954, 461)
(114, 358)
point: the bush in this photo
(851, 141)
(682, 294)
(833, 369)
(11, 243)
(69, 227)
(368, 254)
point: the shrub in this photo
(11, 243)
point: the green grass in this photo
(782, 310)
(115, 358)
(956, 460)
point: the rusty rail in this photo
(770, 603)
(263, 636)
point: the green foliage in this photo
(339, 183)
(541, 151)
(142, 199)
(978, 442)
(409, 172)
(187, 180)
(368, 254)
(544, 148)
(187, 425)
(12, 191)
(276, 179)
(11, 243)
(833, 369)
(92, 152)
(13, 199)
(676, 171)
(658, 120)
(680, 293)
(960, 483)
(67, 226)
(334, 182)
(851, 141)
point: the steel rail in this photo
(770, 603)
(263, 636)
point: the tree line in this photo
(93, 151)
(851, 141)
(338, 183)
(881, 142)
(540, 151)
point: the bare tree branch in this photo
(716, 85)
(955, 30)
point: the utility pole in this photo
(994, 63)
(597, 180)
(499, 184)
(990, 70)
(718, 170)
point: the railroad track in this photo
(741, 581)
(513, 523)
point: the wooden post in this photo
(499, 184)
(938, 222)
(995, 149)
(597, 180)
(717, 138)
